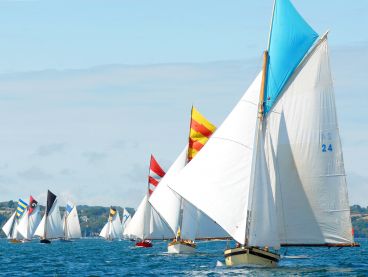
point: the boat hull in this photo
(45, 241)
(250, 256)
(145, 244)
(15, 241)
(180, 247)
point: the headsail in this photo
(290, 39)
(221, 170)
(8, 226)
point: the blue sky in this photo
(89, 89)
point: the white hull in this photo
(181, 248)
(250, 256)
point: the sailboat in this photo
(146, 224)
(113, 228)
(30, 221)
(184, 219)
(10, 227)
(125, 221)
(71, 225)
(273, 173)
(51, 226)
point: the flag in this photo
(50, 201)
(178, 234)
(32, 205)
(21, 208)
(112, 213)
(155, 175)
(200, 131)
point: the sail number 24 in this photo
(326, 148)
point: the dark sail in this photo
(50, 201)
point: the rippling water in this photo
(96, 257)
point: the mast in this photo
(66, 225)
(109, 226)
(44, 229)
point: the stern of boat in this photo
(251, 256)
(181, 247)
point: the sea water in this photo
(97, 257)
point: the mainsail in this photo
(305, 155)
(71, 225)
(29, 222)
(286, 163)
(113, 228)
(50, 226)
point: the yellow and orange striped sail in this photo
(200, 131)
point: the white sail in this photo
(164, 200)
(189, 222)
(8, 226)
(54, 225)
(262, 229)
(105, 231)
(217, 181)
(167, 203)
(305, 158)
(139, 225)
(208, 229)
(28, 224)
(125, 221)
(116, 230)
(40, 231)
(71, 225)
(147, 224)
(126, 218)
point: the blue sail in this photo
(290, 39)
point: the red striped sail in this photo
(155, 175)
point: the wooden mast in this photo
(263, 86)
